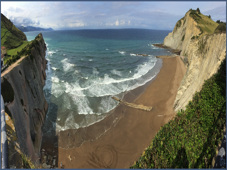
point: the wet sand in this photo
(118, 140)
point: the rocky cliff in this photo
(202, 50)
(22, 90)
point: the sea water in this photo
(87, 67)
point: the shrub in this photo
(221, 28)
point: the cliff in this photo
(11, 36)
(22, 91)
(202, 50)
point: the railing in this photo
(4, 67)
(4, 142)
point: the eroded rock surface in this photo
(22, 90)
(203, 54)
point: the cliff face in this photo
(22, 90)
(202, 50)
(184, 29)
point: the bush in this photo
(221, 28)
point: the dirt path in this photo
(12, 66)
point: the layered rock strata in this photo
(22, 90)
(202, 52)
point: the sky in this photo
(61, 15)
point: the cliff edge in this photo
(22, 91)
(202, 47)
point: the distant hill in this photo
(11, 36)
(31, 28)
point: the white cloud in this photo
(76, 24)
(218, 13)
(117, 23)
(60, 15)
(24, 21)
(15, 9)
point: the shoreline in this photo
(127, 131)
(174, 51)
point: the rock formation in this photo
(203, 51)
(22, 90)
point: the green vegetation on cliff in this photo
(190, 140)
(15, 42)
(205, 23)
(25, 50)
(13, 39)
(221, 28)
(11, 36)
(14, 51)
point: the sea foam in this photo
(122, 52)
(67, 66)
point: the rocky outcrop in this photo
(203, 63)
(202, 51)
(182, 33)
(22, 90)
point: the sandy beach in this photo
(118, 140)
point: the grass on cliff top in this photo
(14, 54)
(8, 40)
(14, 51)
(24, 50)
(205, 23)
(13, 39)
(191, 139)
(11, 36)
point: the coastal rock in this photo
(202, 51)
(182, 33)
(202, 65)
(22, 89)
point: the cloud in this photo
(15, 9)
(76, 24)
(218, 13)
(117, 23)
(151, 15)
(24, 21)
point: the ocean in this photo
(87, 67)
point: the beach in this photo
(118, 140)
(93, 87)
